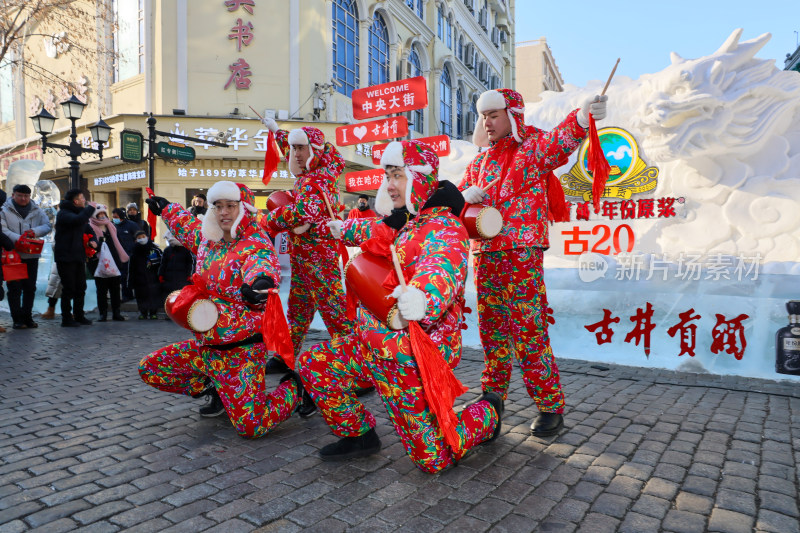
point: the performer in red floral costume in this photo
(508, 268)
(432, 247)
(235, 263)
(316, 277)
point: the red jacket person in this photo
(508, 268)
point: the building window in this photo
(445, 104)
(460, 50)
(378, 52)
(459, 114)
(420, 13)
(345, 45)
(415, 69)
(440, 23)
(450, 33)
(129, 39)
(6, 92)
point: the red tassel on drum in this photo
(441, 386)
(275, 330)
(557, 210)
(596, 164)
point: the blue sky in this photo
(586, 38)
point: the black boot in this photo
(103, 317)
(275, 365)
(68, 322)
(352, 447)
(214, 406)
(306, 408)
(483, 397)
(117, 316)
(495, 401)
(547, 424)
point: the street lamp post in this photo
(73, 109)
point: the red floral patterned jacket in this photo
(521, 195)
(224, 266)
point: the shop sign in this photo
(120, 177)
(390, 98)
(364, 180)
(375, 130)
(438, 143)
(178, 151)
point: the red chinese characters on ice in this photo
(389, 98)
(364, 180)
(439, 143)
(727, 335)
(375, 130)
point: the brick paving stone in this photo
(514, 523)
(59, 526)
(467, 523)
(700, 485)
(651, 506)
(140, 514)
(730, 522)
(598, 523)
(611, 505)
(639, 523)
(776, 522)
(738, 501)
(101, 511)
(51, 514)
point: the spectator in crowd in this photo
(362, 210)
(177, 266)
(134, 215)
(22, 219)
(6, 244)
(106, 232)
(143, 276)
(53, 293)
(126, 233)
(73, 235)
(199, 204)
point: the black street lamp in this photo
(73, 109)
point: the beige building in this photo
(200, 65)
(538, 70)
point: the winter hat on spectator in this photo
(421, 166)
(132, 205)
(235, 192)
(506, 99)
(315, 140)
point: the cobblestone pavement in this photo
(84, 444)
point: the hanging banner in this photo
(438, 143)
(390, 98)
(375, 130)
(364, 180)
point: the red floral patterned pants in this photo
(316, 285)
(330, 371)
(237, 374)
(512, 318)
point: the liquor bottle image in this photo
(787, 342)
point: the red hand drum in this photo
(279, 199)
(199, 315)
(481, 221)
(365, 274)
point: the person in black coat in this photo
(177, 266)
(72, 223)
(135, 216)
(126, 233)
(143, 276)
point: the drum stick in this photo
(397, 269)
(608, 82)
(262, 118)
(492, 184)
(328, 205)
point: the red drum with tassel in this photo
(365, 274)
(196, 314)
(481, 221)
(279, 199)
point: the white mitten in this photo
(299, 230)
(270, 124)
(412, 303)
(474, 195)
(336, 228)
(596, 105)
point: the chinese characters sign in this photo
(364, 180)
(439, 144)
(389, 98)
(242, 34)
(375, 130)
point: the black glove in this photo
(399, 217)
(157, 204)
(261, 283)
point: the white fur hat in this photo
(495, 99)
(300, 137)
(227, 190)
